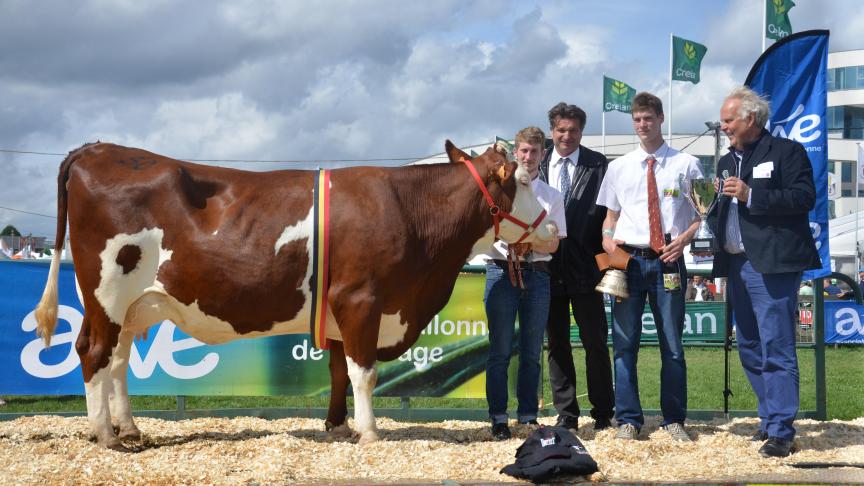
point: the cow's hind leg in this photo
(338, 410)
(121, 408)
(94, 350)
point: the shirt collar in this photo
(749, 146)
(660, 154)
(574, 157)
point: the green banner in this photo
(686, 59)
(777, 25)
(617, 95)
(703, 322)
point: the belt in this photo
(640, 252)
(541, 266)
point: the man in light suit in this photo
(763, 244)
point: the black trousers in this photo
(590, 316)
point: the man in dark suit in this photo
(763, 244)
(577, 172)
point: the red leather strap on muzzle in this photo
(496, 211)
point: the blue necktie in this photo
(565, 179)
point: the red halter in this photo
(496, 212)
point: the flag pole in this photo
(669, 117)
(603, 136)
(603, 117)
(858, 162)
(764, 22)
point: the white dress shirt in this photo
(625, 190)
(555, 165)
(553, 202)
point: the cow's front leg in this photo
(338, 410)
(363, 380)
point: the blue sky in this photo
(357, 80)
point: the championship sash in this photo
(320, 257)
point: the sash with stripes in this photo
(320, 257)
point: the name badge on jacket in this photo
(763, 170)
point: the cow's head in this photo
(510, 187)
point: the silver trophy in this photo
(702, 195)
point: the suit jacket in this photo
(775, 228)
(573, 267)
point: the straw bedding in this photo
(55, 450)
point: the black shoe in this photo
(776, 447)
(602, 423)
(500, 431)
(568, 422)
(759, 436)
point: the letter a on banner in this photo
(792, 75)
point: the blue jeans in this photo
(645, 278)
(763, 309)
(503, 302)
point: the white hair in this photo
(751, 102)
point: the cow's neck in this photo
(450, 229)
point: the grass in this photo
(844, 383)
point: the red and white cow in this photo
(225, 254)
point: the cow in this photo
(227, 254)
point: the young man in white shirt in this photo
(503, 301)
(628, 225)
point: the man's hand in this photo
(674, 249)
(735, 187)
(609, 244)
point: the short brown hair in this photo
(570, 112)
(646, 101)
(531, 135)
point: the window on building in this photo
(849, 77)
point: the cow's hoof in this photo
(114, 444)
(368, 437)
(341, 432)
(130, 434)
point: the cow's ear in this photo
(454, 153)
(506, 170)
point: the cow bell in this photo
(614, 282)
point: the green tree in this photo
(10, 230)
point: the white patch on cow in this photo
(299, 231)
(391, 331)
(117, 291)
(215, 233)
(363, 382)
(137, 300)
(525, 208)
(97, 392)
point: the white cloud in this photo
(347, 79)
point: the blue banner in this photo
(843, 322)
(792, 75)
(449, 358)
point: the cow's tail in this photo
(46, 311)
